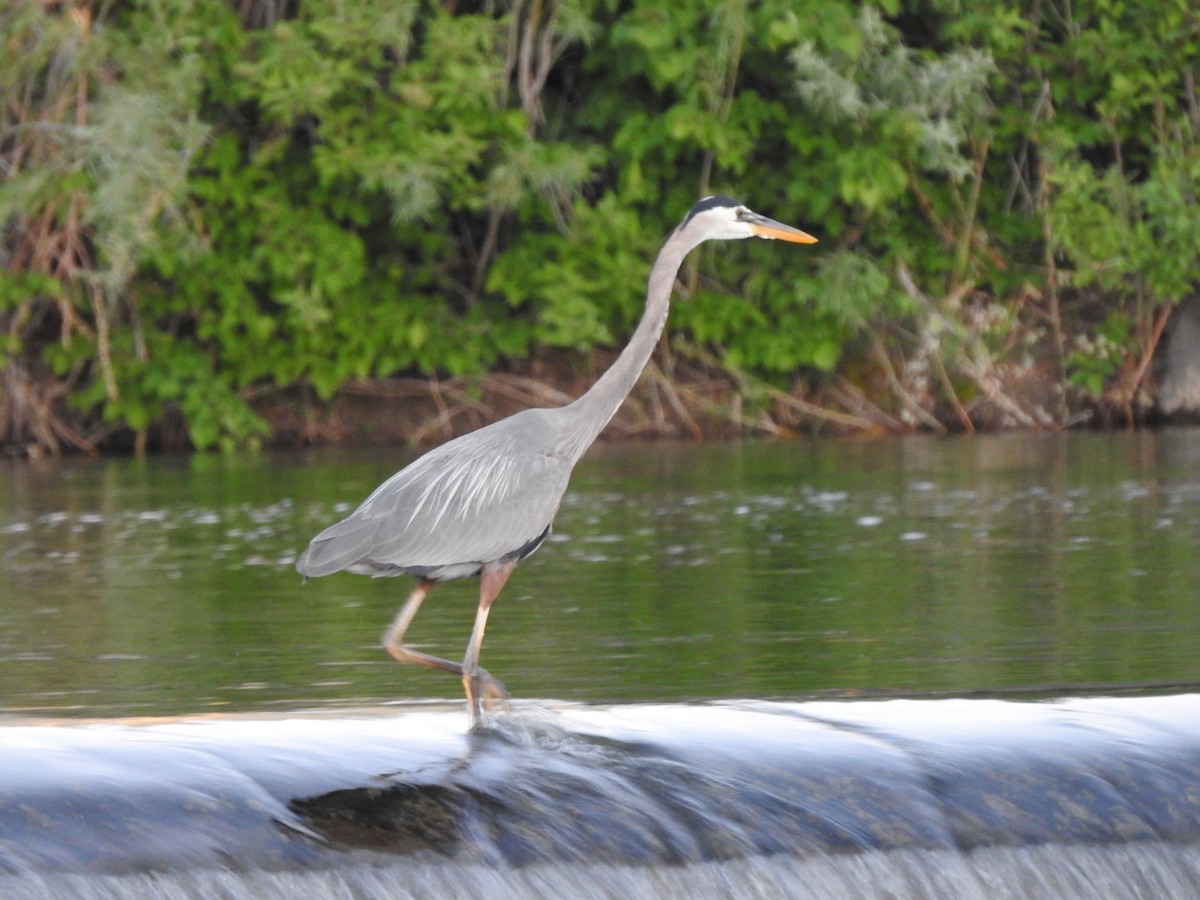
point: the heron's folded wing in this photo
(475, 499)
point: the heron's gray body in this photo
(480, 503)
(486, 497)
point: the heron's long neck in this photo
(591, 412)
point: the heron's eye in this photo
(740, 212)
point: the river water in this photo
(1003, 565)
(880, 591)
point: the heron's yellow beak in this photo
(783, 233)
(772, 230)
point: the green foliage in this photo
(907, 108)
(198, 206)
(1122, 214)
(582, 287)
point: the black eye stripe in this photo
(715, 202)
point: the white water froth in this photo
(1124, 872)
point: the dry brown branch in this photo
(846, 420)
(987, 385)
(947, 233)
(933, 354)
(103, 343)
(960, 412)
(29, 417)
(906, 399)
(533, 49)
(663, 384)
(967, 234)
(852, 398)
(1148, 352)
(525, 391)
(744, 383)
(763, 423)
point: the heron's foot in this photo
(484, 693)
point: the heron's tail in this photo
(337, 547)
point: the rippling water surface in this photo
(1000, 564)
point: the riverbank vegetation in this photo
(226, 222)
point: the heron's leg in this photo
(484, 691)
(393, 638)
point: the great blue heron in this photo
(479, 504)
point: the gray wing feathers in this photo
(338, 546)
(474, 499)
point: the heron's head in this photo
(723, 219)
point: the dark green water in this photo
(1044, 564)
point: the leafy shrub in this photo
(202, 201)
